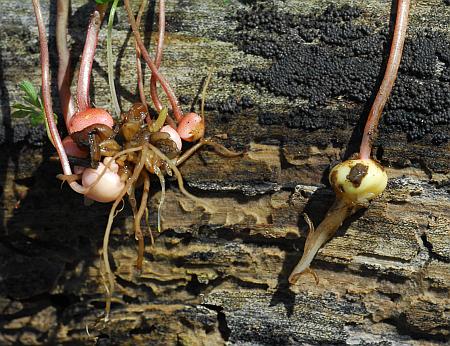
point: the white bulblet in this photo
(109, 187)
(358, 181)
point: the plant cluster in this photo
(107, 158)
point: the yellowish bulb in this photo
(358, 181)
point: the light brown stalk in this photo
(390, 75)
(137, 220)
(218, 148)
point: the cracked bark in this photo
(222, 277)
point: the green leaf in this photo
(20, 114)
(36, 119)
(28, 88)
(31, 95)
(19, 106)
(32, 108)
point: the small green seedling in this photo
(31, 107)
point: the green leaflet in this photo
(31, 107)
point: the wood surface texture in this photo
(218, 275)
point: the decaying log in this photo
(292, 80)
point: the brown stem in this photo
(84, 76)
(164, 84)
(158, 54)
(338, 212)
(64, 72)
(398, 40)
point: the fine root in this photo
(137, 220)
(173, 167)
(163, 195)
(109, 275)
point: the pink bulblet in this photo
(89, 117)
(173, 135)
(191, 127)
(109, 187)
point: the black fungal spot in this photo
(329, 57)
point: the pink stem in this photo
(158, 58)
(47, 99)
(140, 80)
(64, 73)
(84, 76)
(158, 54)
(165, 85)
(390, 75)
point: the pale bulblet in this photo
(173, 135)
(358, 181)
(109, 187)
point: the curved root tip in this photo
(293, 278)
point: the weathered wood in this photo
(220, 275)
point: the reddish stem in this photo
(47, 100)
(158, 54)
(64, 73)
(165, 85)
(84, 76)
(140, 80)
(46, 97)
(158, 58)
(390, 75)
